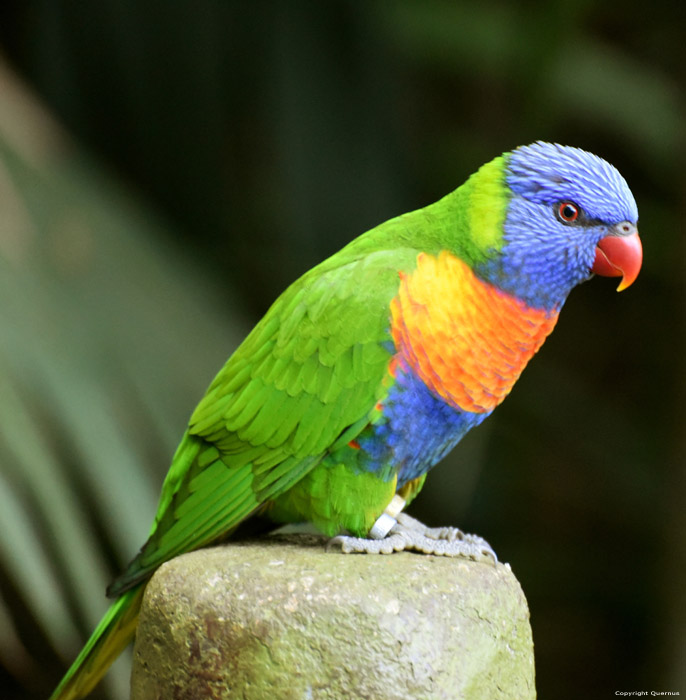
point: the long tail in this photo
(110, 638)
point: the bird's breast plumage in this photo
(467, 340)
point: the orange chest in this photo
(467, 340)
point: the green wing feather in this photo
(309, 373)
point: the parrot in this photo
(373, 365)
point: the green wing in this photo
(307, 376)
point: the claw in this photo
(408, 533)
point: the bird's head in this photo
(567, 214)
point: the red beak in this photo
(619, 255)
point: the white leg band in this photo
(387, 519)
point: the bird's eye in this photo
(568, 212)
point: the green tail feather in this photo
(110, 638)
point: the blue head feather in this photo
(547, 173)
(543, 258)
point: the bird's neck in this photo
(466, 339)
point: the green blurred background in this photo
(167, 168)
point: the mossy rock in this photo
(283, 619)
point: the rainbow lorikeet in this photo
(372, 366)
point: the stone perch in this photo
(281, 619)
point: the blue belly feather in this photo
(417, 429)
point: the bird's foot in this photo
(399, 532)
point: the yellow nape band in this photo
(486, 205)
(467, 340)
